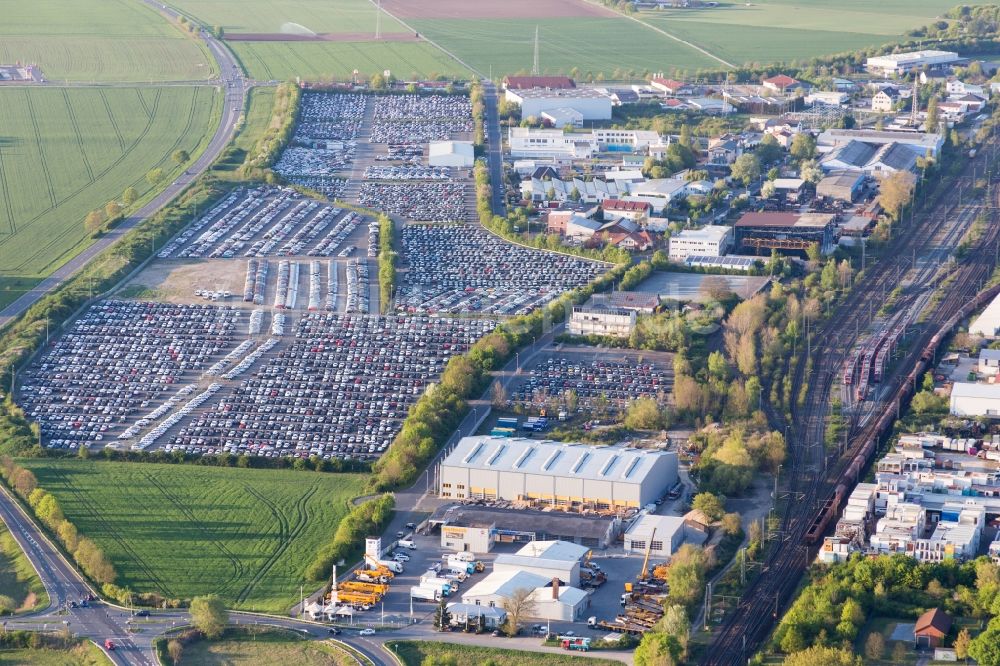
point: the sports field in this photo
(99, 40)
(67, 151)
(263, 16)
(181, 530)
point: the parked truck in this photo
(425, 593)
(392, 565)
(507, 422)
(441, 584)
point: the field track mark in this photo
(78, 135)
(113, 533)
(58, 237)
(5, 190)
(238, 569)
(283, 536)
(41, 151)
(669, 35)
(142, 102)
(410, 28)
(111, 118)
(301, 520)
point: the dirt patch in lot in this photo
(175, 281)
(325, 37)
(508, 9)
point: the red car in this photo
(109, 644)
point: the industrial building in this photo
(769, 230)
(551, 600)
(476, 528)
(903, 63)
(710, 241)
(551, 559)
(842, 186)
(923, 144)
(451, 154)
(988, 323)
(599, 319)
(570, 476)
(662, 535)
(970, 399)
(590, 103)
(525, 82)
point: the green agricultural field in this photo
(263, 16)
(67, 151)
(783, 30)
(415, 653)
(270, 646)
(597, 45)
(182, 530)
(321, 60)
(100, 40)
(20, 587)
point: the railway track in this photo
(812, 478)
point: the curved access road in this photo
(234, 87)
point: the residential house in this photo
(615, 209)
(931, 629)
(959, 88)
(724, 149)
(884, 101)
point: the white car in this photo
(367, 632)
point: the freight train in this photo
(851, 474)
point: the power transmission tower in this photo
(534, 68)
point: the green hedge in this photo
(362, 520)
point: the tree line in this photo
(362, 520)
(386, 261)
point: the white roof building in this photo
(563, 116)
(969, 399)
(662, 535)
(658, 192)
(988, 323)
(900, 63)
(567, 475)
(922, 143)
(451, 154)
(710, 241)
(589, 103)
(552, 600)
(551, 559)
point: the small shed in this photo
(931, 628)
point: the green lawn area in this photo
(320, 16)
(67, 151)
(413, 653)
(255, 120)
(84, 653)
(270, 646)
(18, 579)
(99, 40)
(12, 288)
(283, 61)
(182, 530)
(587, 44)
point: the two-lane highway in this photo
(494, 148)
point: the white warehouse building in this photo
(970, 399)
(988, 323)
(451, 154)
(902, 63)
(589, 103)
(564, 475)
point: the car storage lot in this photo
(457, 268)
(596, 375)
(208, 379)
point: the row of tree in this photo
(279, 131)
(386, 261)
(88, 556)
(367, 518)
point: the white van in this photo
(463, 556)
(406, 543)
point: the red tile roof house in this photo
(780, 83)
(931, 628)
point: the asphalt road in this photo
(494, 146)
(234, 86)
